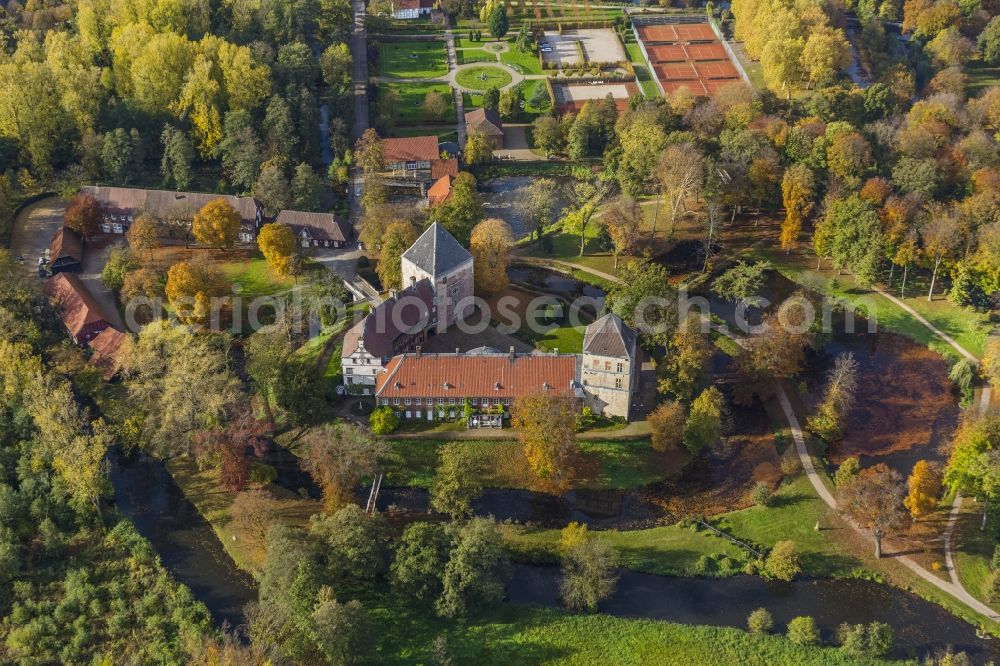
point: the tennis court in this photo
(685, 53)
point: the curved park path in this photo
(954, 587)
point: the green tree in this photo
(742, 283)
(688, 354)
(272, 189)
(383, 421)
(342, 630)
(307, 189)
(241, 151)
(497, 21)
(463, 209)
(989, 41)
(704, 423)
(178, 153)
(588, 574)
(644, 298)
(456, 481)
(116, 156)
(760, 621)
(353, 543)
(120, 262)
(399, 236)
(471, 576)
(421, 555)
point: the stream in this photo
(919, 627)
(190, 551)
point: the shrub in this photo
(383, 421)
(803, 631)
(995, 562)
(760, 621)
(992, 586)
(783, 561)
(847, 471)
(791, 465)
(858, 640)
(761, 495)
(703, 566)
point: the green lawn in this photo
(528, 88)
(475, 55)
(515, 635)
(675, 551)
(969, 328)
(412, 59)
(667, 551)
(567, 339)
(642, 73)
(409, 102)
(483, 78)
(607, 464)
(793, 516)
(973, 550)
(981, 76)
(462, 41)
(255, 277)
(525, 63)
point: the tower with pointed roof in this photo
(608, 366)
(438, 257)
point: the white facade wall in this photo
(608, 383)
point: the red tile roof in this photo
(410, 149)
(110, 347)
(77, 306)
(476, 376)
(66, 243)
(441, 168)
(440, 190)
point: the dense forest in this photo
(173, 94)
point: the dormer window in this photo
(397, 385)
(545, 386)
(496, 387)
(447, 385)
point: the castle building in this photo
(608, 368)
(382, 353)
(436, 256)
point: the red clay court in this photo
(687, 55)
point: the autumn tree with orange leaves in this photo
(545, 426)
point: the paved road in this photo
(359, 49)
(951, 588)
(449, 41)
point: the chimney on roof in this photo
(512, 352)
(456, 350)
(418, 351)
(555, 351)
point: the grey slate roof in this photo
(408, 313)
(437, 252)
(609, 336)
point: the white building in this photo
(411, 9)
(609, 367)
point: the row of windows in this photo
(607, 366)
(484, 402)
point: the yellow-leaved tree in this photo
(797, 196)
(277, 244)
(924, 486)
(545, 426)
(490, 248)
(191, 286)
(216, 224)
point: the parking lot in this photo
(598, 45)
